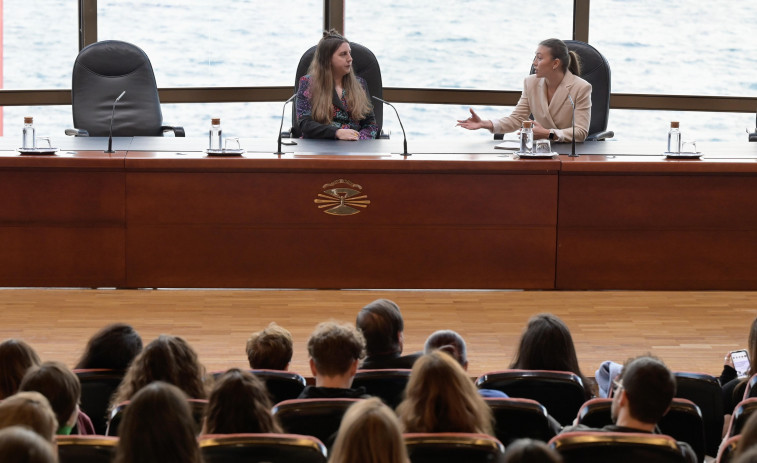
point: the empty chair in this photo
(741, 414)
(101, 72)
(453, 448)
(116, 415)
(727, 448)
(388, 385)
(617, 447)
(704, 390)
(319, 418)
(97, 387)
(561, 392)
(89, 449)
(259, 448)
(521, 418)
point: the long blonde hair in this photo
(322, 83)
(369, 433)
(441, 398)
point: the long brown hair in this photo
(369, 433)
(239, 403)
(16, 357)
(441, 398)
(569, 60)
(322, 82)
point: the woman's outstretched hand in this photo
(473, 122)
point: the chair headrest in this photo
(112, 58)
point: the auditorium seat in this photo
(751, 390)
(521, 418)
(97, 388)
(704, 390)
(741, 413)
(453, 448)
(617, 447)
(89, 449)
(319, 418)
(725, 454)
(261, 448)
(388, 385)
(116, 415)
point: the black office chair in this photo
(365, 65)
(101, 72)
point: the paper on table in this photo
(509, 145)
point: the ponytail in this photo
(574, 65)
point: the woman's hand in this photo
(728, 361)
(474, 122)
(540, 132)
(347, 134)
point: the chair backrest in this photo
(617, 447)
(260, 448)
(520, 418)
(388, 385)
(727, 448)
(101, 72)
(97, 388)
(319, 418)
(751, 390)
(595, 413)
(704, 390)
(596, 70)
(364, 64)
(453, 448)
(90, 449)
(561, 392)
(281, 385)
(116, 415)
(741, 414)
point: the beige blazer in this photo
(555, 115)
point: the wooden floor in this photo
(689, 330)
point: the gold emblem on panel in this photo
(342, 197)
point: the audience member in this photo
(113, 347)
(335, 350)
(453, 344)
(441, 398)
(531, 451)
(748, 438)
(158, 427)
(62, 389)
(22, 445)
(239, 403)
(733, 387)
(382, 326)
(369, 433)
(546, 344)
(29, 409)
(169, 359)
(16, 357)
(270, 349)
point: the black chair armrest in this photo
(385, 134)
(286, 134)
(499, 136)
(600, 136)
(177, 131)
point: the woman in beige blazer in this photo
(545, 95)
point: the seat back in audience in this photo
(617, 447)
(89, 449)
(725, 454)
(116, 415)
(97, 388)
(751, 390)
(704, 390)
(261, 448)
(561, 392)
(319, 418)
(388, 385)
(281, 385)
(453, 448)
(741, 413)
(520, 418)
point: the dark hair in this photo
(334, 347)
(157, 426)
(239, 403)
(546, 344)
(22, 445)
(649, 386)
(381, 323)
(569, 60)
(450, 342)
(531, 451)
(16, 357)
(113, 347)
(270, 349)
(58, 384)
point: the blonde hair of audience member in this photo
(270, 349)
(16, 357)
(239, 403)
(157, 426)
(335, 350)
(369, 433)
(62, 389)
(29, 409)
(22, 445)
(169, 359)
(441, 398)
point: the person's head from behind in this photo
(22, 445)
(369, 433)
(113, 347)
(554, 54)
(335, 350)
(531, 451)
(16, 357)
(62, 389)
(158, 426)
(646, 389)
(239, 403)
(450, 342)
(440, 397)
(29, 409)
(270, 349)
(546, 344)
(382, 325)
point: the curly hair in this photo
(113, 347)
(270, 349)
(239, 403)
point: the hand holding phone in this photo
(740, 359)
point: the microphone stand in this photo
(404, 135)
(573, 123)
(283, 108)
(113, 116)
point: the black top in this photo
(313, 392)
(390, 361)
(733, 389)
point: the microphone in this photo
(113, 116)
(283, 108)
(404, 135)
(573, 124)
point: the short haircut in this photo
(334, 347)
(649, 386)
(58, 384)
(30, 409)
(450, 342)
(22, 445)
(381, 322)
(270, 349)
